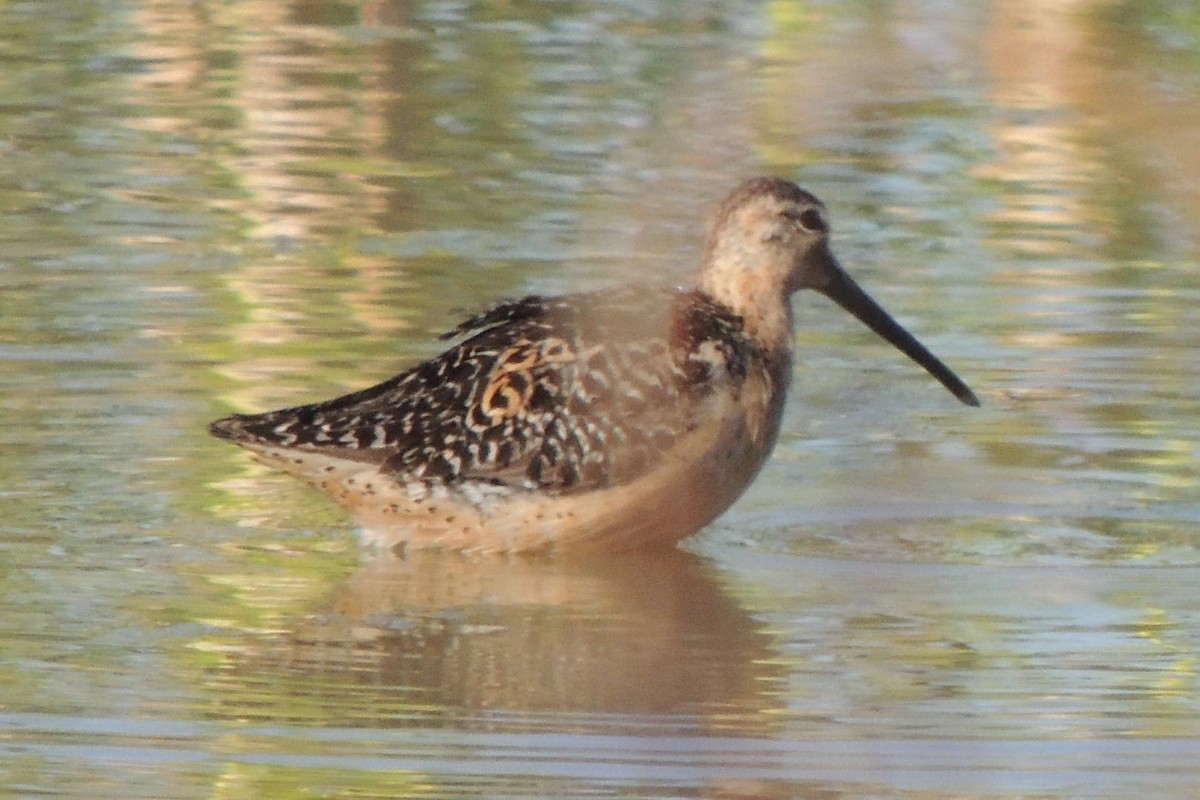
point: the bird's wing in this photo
(563, 394)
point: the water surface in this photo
(218, 208)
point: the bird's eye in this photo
(809, 219)
(812, 220)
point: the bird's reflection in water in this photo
(626, 643)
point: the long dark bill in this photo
(842, 289)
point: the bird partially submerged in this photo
(615, 419)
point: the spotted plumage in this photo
(547, 394)
(615, 418)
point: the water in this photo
(215, 208)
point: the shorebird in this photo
(616, 419)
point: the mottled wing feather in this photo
(527, 308)
(561, 395)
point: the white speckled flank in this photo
(614, 419)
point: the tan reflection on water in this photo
(296, 116)
(1034, 60)
(521, 643)
(251, 66)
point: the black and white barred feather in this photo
(559, 394)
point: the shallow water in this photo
(231, 207)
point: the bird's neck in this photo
(765, 309)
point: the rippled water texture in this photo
(215, 207)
